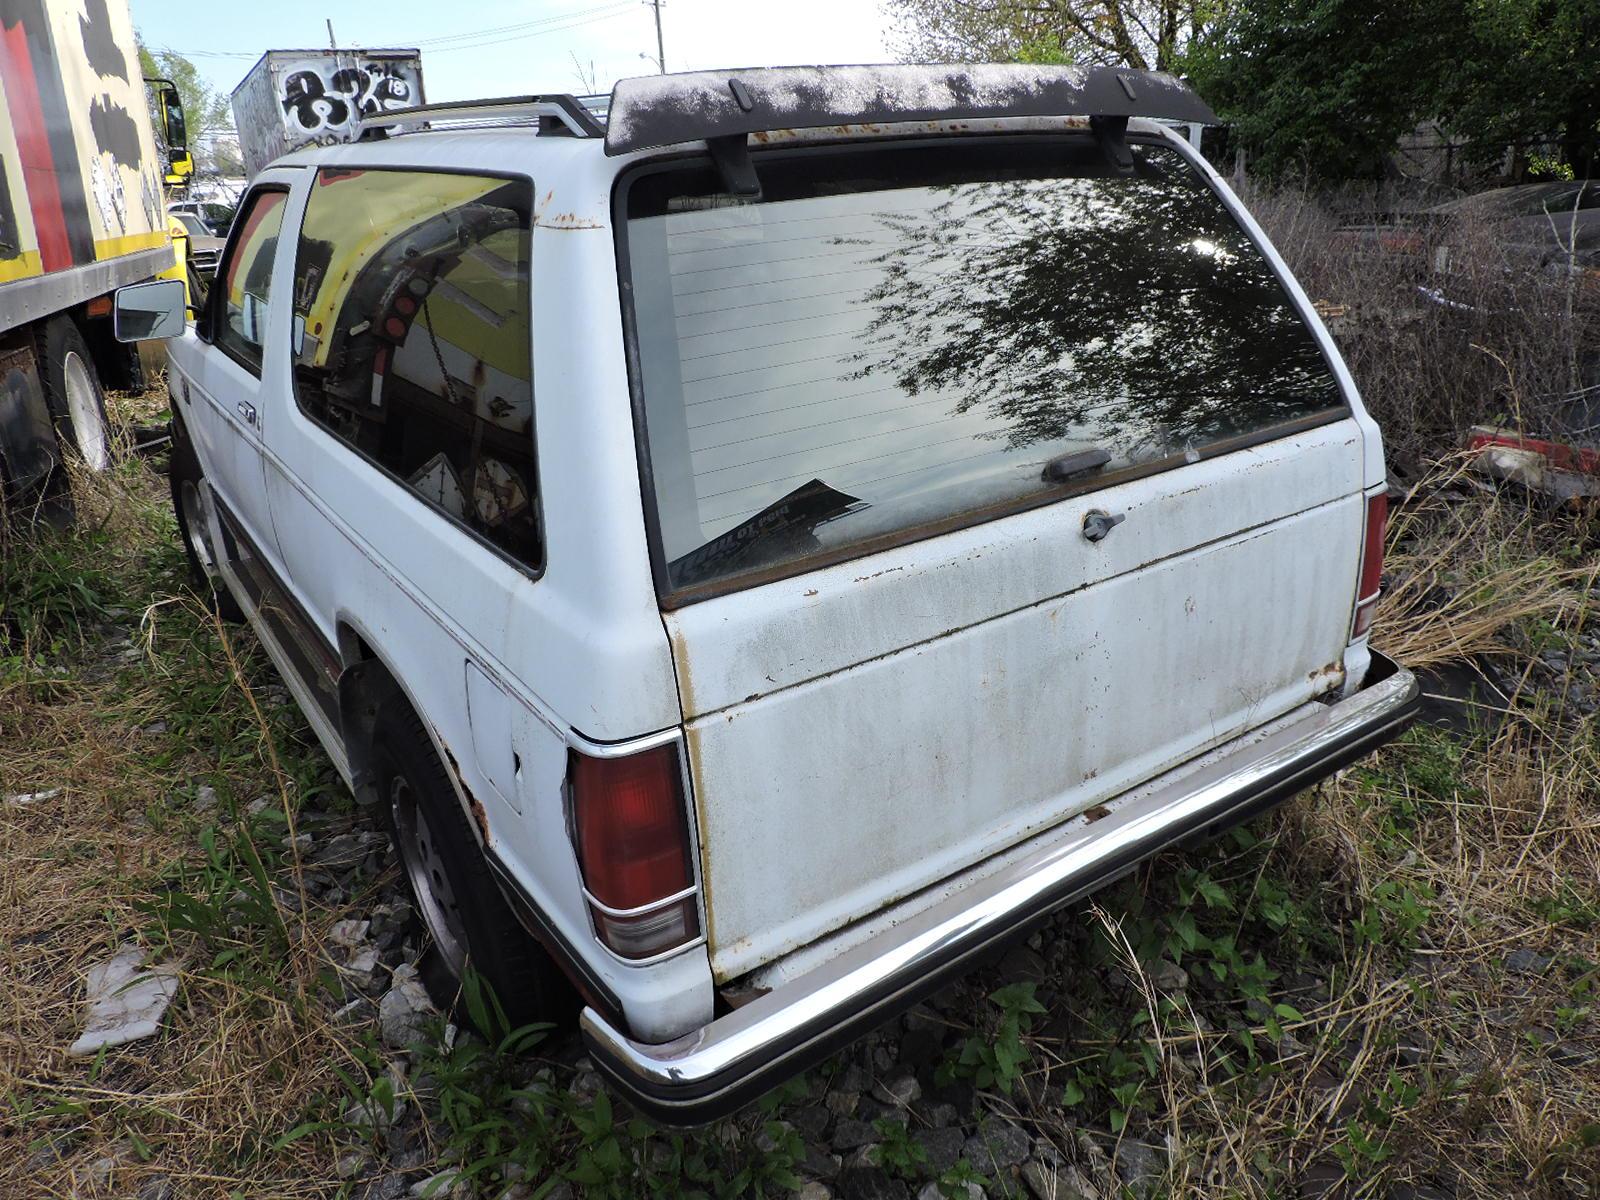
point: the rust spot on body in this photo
(474, 805)
(478, 815)
(691, 744)
(680, 663)
(565, 221)
(1326, 678)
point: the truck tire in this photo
(72, 392)
(184, 474)
(457, 898)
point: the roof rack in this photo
(554, 113)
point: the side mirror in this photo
(172, 115)
(169, 107)
(174, 130)
(142, 311)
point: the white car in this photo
(764, 550)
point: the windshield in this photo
(887, 343)
(193, 224)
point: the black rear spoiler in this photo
(661, 110)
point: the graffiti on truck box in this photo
(295, 98)
(323, 100)
(76, 159)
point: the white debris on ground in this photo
(126, 1000)
(23, 799)
(405, 1009)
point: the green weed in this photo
(997, 1059)
(898, 1152)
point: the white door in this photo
(223, 382)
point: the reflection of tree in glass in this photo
(1129, 310)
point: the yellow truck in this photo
(82, 213)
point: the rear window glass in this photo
(893, 343)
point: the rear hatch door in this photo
(985, 483)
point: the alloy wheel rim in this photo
(83, 410)
(436, 897)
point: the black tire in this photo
(527, 984)
(72, 392)
(184, 475)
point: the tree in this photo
(1527, 70)
(1145, 34)
(1325, 87)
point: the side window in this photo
(247, 280)
(413, 289)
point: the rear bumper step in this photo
(713, 1070)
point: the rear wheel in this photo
(72, 392)
(184, 474)
(460, 904)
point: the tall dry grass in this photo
(120, 701)
(1466, 563)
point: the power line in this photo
(469, 39)
(554, 19)
(621, 10)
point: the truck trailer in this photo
(295, 98)
(82, 213)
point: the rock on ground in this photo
(943, 1147)
(996, 1146)
(405, 1009)
(899, 1093)
(126, 1001)
(449, 1183)
(872, 1183)
(1057, 1183)
(1141, 1165)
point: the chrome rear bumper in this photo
(710, 1072)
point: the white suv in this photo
(765, 549)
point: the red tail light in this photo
(633, 849)
(1371, 564)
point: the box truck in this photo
(294, 98)
(82, 212)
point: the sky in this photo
(482, 48)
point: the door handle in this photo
(1097, 523)
(247, 412)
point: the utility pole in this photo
(332, 45)
(661, 53)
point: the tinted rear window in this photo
(887, 343)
